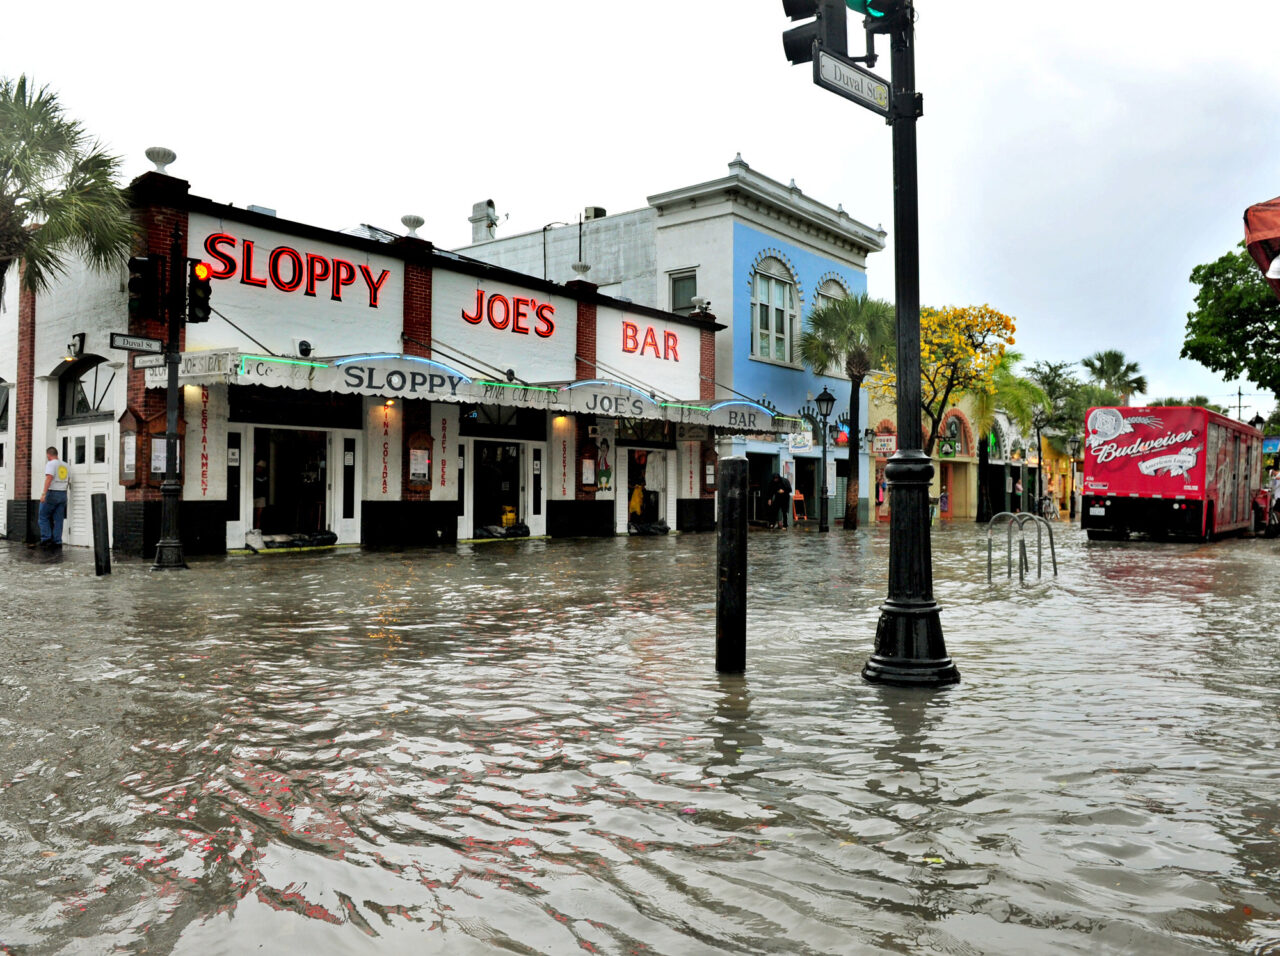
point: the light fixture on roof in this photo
(162, 156)
(412, 223)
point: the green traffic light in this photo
(865, 7)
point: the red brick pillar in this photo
(585, 367)
(24, 391)
(160, 207)
(707, 364)
(416, 323)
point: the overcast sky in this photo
(1076, 161)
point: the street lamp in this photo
(825, 402)
(1073, 449)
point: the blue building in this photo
(754, 253)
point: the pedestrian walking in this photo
(53, 499)
(784, 497)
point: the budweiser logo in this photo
(1113, 450)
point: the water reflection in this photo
(525, 748)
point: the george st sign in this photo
(842, 76)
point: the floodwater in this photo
(524, 748)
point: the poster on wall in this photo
(419, 465)
(605, 438)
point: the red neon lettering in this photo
(669, 343)
(344, 273)
(227, 265)
(650, 341)
(545, 327)
(521, 304)
(246, 266)
(283, 252)
(317, 271)
(479, 313)
(630, 342)
(374, 285)
(506, 311)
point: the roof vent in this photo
(593, 212)
(484, 221)
(261, 210)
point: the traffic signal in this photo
(828, 30)
(144, 287)
(198, 292)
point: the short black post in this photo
(731, 554)
(101, 535)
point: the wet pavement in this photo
(523, 747)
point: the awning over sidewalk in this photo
(386, 375)
(1262, 239)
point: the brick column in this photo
(585, 366)
(416, 322)
(707, 365)
(24, 391)
(160, 207)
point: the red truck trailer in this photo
(1171, 471)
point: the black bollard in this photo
(731, 553)
(101, 536)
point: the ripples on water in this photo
(524, 748)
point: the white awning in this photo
(386, 375)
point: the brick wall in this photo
(159, 210)
(24, 391)
(417, 296)
(585, 367)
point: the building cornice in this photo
(770, 198)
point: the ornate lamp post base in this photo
(910, 650)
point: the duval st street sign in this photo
(839, 75)
(135, 343)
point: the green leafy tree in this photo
(1010, 392)
(856, 334)
(58, 196)
(1235, 328)
(1201, 400)
(1114, 372)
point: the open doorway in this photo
(290, 480)
(496, 484)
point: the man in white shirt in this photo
(53, 499)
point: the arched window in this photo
(828, 292)
(775, 329)
(84, 391)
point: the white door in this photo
(239, 484)
(344, 470)
(534, 492)
(88, 451)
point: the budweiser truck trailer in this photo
(1171, 471)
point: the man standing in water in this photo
(53, 499)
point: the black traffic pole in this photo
(910, 650)
(169, 549)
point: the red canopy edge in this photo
(1262, 236)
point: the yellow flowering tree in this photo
(960, 351)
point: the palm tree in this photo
(1110, 370)
(855, 333)
(57, 190)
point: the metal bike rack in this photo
(1023, 564)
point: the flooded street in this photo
(524, 747)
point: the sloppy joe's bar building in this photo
(361, 390)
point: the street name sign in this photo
(148, 361)
(839, 75)
(135, 343)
